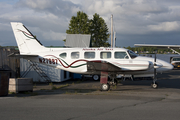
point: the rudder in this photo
(26, 41)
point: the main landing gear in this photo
(105, 83)
(105, 86)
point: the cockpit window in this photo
(121, 55)
(132, 54)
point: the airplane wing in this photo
(105, 66)
(102, 66)
(159, 46)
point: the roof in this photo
(77, 40)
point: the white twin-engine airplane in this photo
(107, 62)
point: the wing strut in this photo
(104, 77)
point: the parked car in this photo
(175, 61)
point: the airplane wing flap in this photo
(101, 66)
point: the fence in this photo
(9, 63)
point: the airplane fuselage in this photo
(75, 60)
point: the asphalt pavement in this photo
(82, 99)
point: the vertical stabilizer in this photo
(26, 41)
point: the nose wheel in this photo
(154, 85)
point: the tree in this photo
(97, 27)
(79, 24)
(99, 32)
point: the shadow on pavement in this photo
(166, 80)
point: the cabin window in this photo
(75, 55)
(89, 55)
(121, 55)
(105, 55)
(63, 55)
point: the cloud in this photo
(165, 26)
(134, 20)
(56, 7)
(53, 35)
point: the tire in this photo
(154, 85)
(95, 77)
(105, 87)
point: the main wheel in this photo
(95, 77)
(105, 87)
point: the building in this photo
(20, 67)
(42, 73)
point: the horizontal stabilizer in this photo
(21, 56)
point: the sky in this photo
(134, 21)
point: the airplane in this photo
(106, 62)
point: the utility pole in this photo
(111, 31)
(114, 42)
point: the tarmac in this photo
(83, 99)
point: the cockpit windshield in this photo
(176, 59)
(132, 54)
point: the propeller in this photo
(154, 84)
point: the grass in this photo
(34, 94)
(12, 93)
(115, 86)
(34, 85)
(26, 93)
(54, 87)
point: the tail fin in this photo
(26, 41)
